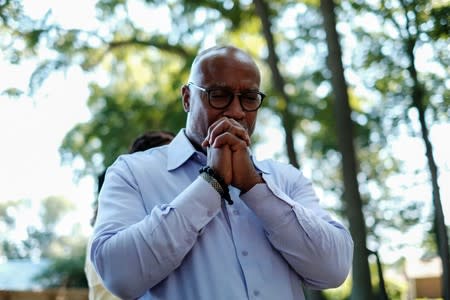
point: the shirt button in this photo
(244, 253)
(236, 212)
(209, 213)
(256, 293)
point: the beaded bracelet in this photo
(217, 183)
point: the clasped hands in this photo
(227, 144)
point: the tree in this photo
(288, 119)
(66, 252)
(412, 29)
(66, 269)
(53, 209)
(41, 240)
(10, 248)
(414, 26)
(362, 288)
(124, 110)
(64, 272)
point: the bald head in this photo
(205, 63)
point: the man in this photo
(239, 229)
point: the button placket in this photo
(237, 213)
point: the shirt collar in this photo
(260, 165)
(180, 150)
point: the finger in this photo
(205, 143)
(229, 139)
(215, 129)
(226, 125)
(220, 160)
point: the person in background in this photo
(150, 139)
(202, 218)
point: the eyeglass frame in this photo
(230, 96)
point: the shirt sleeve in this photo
(318, 248)
(96, 289)
(132, 250)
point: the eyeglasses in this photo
(221, 98)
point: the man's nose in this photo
(235, 110)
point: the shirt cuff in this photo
(199, 203)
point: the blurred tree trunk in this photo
(287, 118)
(439, 221)
(362, 288)
(418, 103)
(382, 293)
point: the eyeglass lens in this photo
(221, 98)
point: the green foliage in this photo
(395, 289)
(12, 93)
(382, 58)
(438, 15)
(6, 209)
(67, 263)
(383, 62)
(144, 95)
(40, 239)
(65, 272)
(67, 253)
(8, 248)
(341, 293)
(41, 73)
(53, 209)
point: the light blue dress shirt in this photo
(163, 232)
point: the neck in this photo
(196, 145)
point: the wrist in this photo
(217, 182)
(257, 179)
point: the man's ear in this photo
(186, 97)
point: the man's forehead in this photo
(225, 53)
(207, 61)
